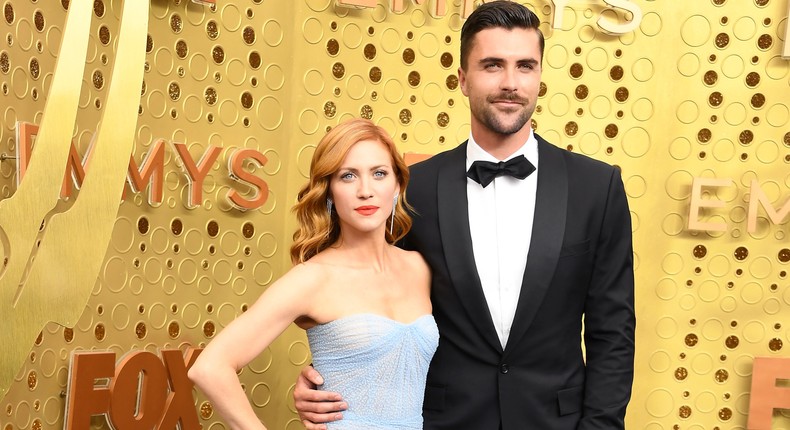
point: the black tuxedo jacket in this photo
(579, 265)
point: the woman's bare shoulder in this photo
(413, 261)
(308, 271)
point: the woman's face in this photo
(364, 187)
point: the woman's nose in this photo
(364, 191)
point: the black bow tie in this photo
(483, 172)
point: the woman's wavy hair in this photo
(318, 229)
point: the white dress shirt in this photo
(500, 220)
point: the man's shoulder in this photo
(575, 161)
(431, 166)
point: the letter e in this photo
(765, 395)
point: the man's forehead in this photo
(501, 42)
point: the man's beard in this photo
(488, 116)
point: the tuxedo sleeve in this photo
(609, 319)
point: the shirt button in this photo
(504, 368)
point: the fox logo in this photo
(51, 259)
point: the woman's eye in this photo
(379, 173)
(347, 176)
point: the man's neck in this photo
(500, 146)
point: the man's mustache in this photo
(508, 97)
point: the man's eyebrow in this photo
(491, 60)
(502, 60)
(529, 61)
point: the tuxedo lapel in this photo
(457, 242)
(548, 231)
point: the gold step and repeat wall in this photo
(689, 99)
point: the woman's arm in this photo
(245, 338)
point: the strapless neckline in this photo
(363, 315)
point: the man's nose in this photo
(508, 82)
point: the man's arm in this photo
(609, 318)
(316, 407)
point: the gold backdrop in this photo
(698, 89)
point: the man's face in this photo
(502, 79)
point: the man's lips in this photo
(508, 100)
(367, 210)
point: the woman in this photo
(363, 302)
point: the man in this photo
(517, 262)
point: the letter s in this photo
(628, 27)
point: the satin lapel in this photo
(548, 231)
(457, 243)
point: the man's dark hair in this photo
(498, 14)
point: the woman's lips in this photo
(367, 210)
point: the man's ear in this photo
(462, 81)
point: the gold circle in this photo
(140, 330)
(218, 54)
(332, 47)
(446, 60)
(414, 78)
(32, 380)
(246, 100)
(722, 40)
(338, 70)
(209, 329)
(366, 112)
(98, 8)
(752, 79)
(451, 82)
(443, 119)
(369, 51)
(408, 56)
(248, 34)
(176, 24)
(374, 74)
(405, 116)
(581, 92)
(330, 109)
(173, 329)
(616, 73)
(710, 77)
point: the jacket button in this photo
(504, 368)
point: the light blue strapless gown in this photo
(379, 367)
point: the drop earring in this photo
(329, 207)
(392, 219)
